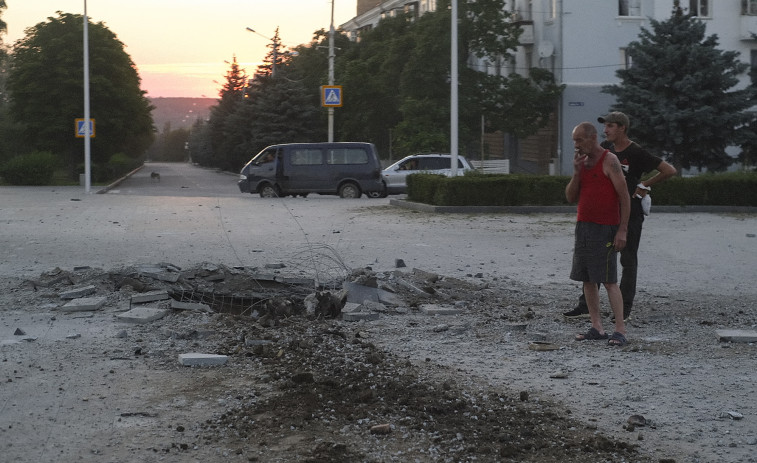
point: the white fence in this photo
(492, 166)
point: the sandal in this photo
(592, 335)
(617, 339)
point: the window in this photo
(749, 7)
(307, 157)
(629, 7)
(699, 8)
(753, 66)
(346, 156)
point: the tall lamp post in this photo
(453, 92)
(331, 72)
(87, 128)
(275, 49)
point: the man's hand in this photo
(620, 240)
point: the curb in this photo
(118, 182)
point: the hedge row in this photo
(730, 189)
(39, 168)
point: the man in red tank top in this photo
(599, 187)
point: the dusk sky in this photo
(179, 46)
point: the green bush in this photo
(476, 189)
(35, 168)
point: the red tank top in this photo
(598, 201)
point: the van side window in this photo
(307, 157)
(346, 156)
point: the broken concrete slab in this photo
(745, 336)
(84, 304)
(434, 309)
(190, 306)
(142, 315)
(389, 298)
(206, 360)
(359, 293)
(149, 296)
(78, 292)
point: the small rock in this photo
(399, 263)
(637, 420)
(19, 332)
(524, 396)
(735, 415)
(382, 429)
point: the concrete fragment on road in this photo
(196, 359)
(142, 315)
(84, 304)
(78, 292)
(435, 309)
(150, 296)
(745, 336)
(177, 305)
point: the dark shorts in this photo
(594, 257)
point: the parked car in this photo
(395, 176)
(346, 169)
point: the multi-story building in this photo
(583, 43)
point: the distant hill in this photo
(180, 112)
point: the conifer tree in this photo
(679, 93)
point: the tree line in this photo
(679, 93)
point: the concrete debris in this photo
(745, 336)
(435, 309)
(142, 315)
(399, 263)
(19, 332)
(177, 305)
(84, 304)
(202, 360)
(78, 292)
(150, 296)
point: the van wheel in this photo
(349, 190)
(269, 191)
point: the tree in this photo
(46, 86)
(677, 93)
(222, 140)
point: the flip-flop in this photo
(617, 339)
(592, 335)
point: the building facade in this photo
(583, 43)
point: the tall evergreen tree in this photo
(678, 93)
(46, 85)
(222, 140)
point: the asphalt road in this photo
(195, 215)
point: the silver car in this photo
(394, 176)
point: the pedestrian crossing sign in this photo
(81, 129)
(331, 96)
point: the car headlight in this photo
(242, 177)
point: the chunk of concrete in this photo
(205, 360)
(178, 305)
(78, 292)
(736, 335)
(84, 304)
(433, 309)
(359, 293)
(150, 296)
(170, 277)
(142, 315)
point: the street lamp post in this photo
(331, 71)
(453, 92)
(275, 48)
(87, 133)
